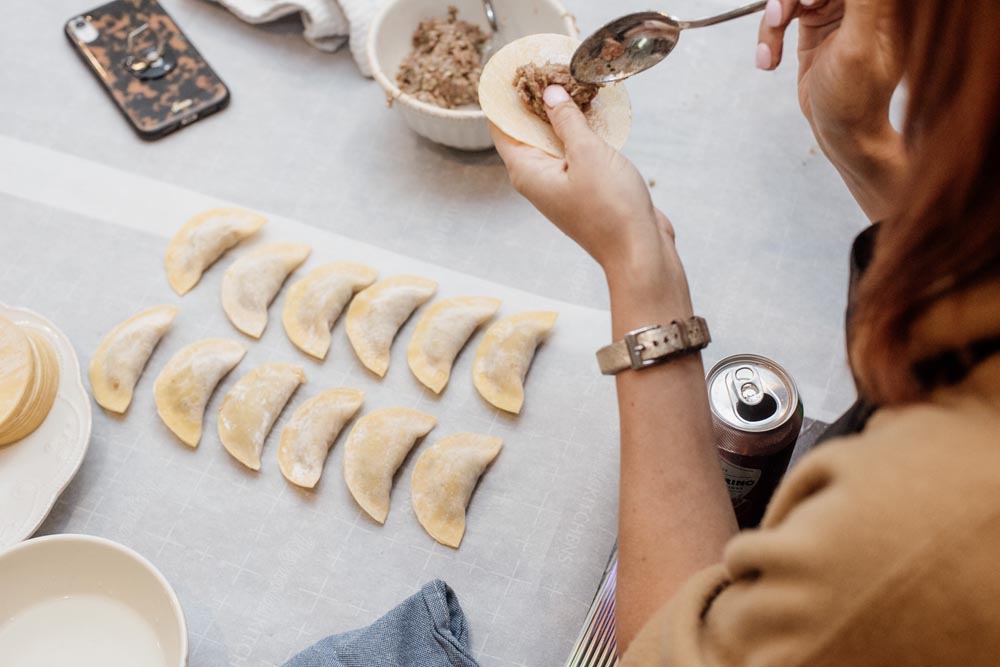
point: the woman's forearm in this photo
(873, 165)
(675, 514)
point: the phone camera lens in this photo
(80, 23)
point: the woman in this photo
(879, 548)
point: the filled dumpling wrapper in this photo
(444, 478)
(204, 239)
(251, 407)
(376, 447)
(377, 313)
(310, 433)
(442, 332)
(122, 355)
(251, 283)
(505, 354)
(187, 382)
(609, 113)
(314, 303)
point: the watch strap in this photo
(654, 345)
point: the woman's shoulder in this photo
(950, 440)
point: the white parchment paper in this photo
(264, 568)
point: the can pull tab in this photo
(752, 403)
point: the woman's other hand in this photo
(594, 195)
(850, 63)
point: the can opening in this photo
(759, 411)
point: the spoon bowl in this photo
(636, 42)
(624, 47)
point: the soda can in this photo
(756, 416)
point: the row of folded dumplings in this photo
(445, 475)
(377, 310)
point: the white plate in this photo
(34, 471)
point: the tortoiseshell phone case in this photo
(154, 106)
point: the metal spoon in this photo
(636, 42)
(495, 42)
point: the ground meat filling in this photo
(446, 62)
(532, 80)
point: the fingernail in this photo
(554, 96)
(763, 57)
(807, 3)
(772, 13)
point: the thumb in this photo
(568, 122)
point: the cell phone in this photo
(148, 66)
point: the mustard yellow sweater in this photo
(877, 549)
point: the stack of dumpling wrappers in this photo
(29, 380)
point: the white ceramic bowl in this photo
(389, 41)
(86, 601)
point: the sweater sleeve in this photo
(874, 551)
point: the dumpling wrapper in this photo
(444, 478)
(442, 332)
(251, 283)
(41, 393)
(376, 314)
(311, 432)
(376, 447)
(610, 113)
(505, 354)
(251, 407)
(204, 239)
(187, 381)
(314, 303)
(17, 370)
(122, 355)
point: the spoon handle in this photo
(491, 16)
(733, 14)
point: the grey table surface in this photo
(763, 222)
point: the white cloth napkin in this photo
(327, 23)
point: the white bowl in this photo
(88, 602)
(389, 41)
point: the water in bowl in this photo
(80, 630)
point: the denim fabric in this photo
(426, 630)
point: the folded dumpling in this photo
(251, 407)
(311, 431)
(187, 381)
(442, 331)
(444, 478)
(253, 280)
(203, 239)
(314, 303)
(377, 446)
(376, 314)
(122, 356)
(505, 354)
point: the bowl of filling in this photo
(428, 57)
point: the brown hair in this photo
(947, 234)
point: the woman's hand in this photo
(850, 63)
(594, 195)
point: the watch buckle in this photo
(635, 348)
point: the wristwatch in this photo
(654, 345)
